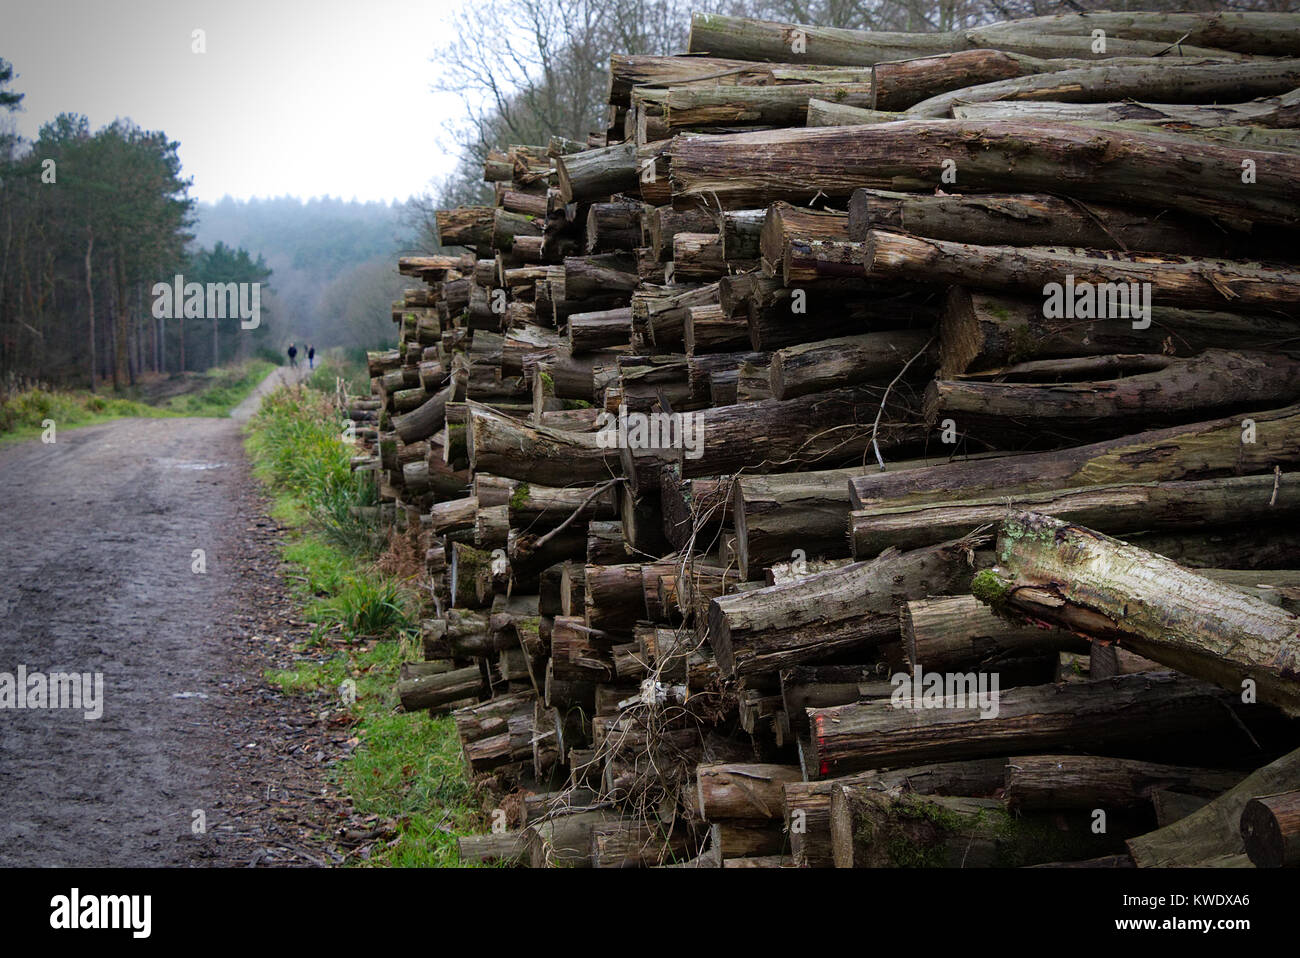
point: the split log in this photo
(1068, 575)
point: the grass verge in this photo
(24, 413)
(406, 770)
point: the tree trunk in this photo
(1070, 576)
(777, 514)
(747, 39)
(1199, 450)
(1052, 782)
(1274, 111)
(465, 226)
(1270, 830)
(985, 330)
(855, 607)
(1214, 832)
(874, 358)
(959, 632)
(506, 447)
(1124, 710)
(746, 792)
(1185, 80)
(893, 829)
(602, 329)
(699, 106)
(596, 174)
(432, 691)
(1114, 509)
(1011, 219)
(745, 170)
(1095, 286)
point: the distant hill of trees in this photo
(334, 263)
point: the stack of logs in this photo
(797, 490)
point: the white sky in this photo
(327, 97)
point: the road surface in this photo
(193, 760)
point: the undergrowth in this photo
(406, 770)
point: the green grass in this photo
(408, 769)
(214, 393)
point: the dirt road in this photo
(99, 574)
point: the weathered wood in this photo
(1179, 80)
(1068, 575)
(984, 330)
(1093, 781)
(1015, 219)
(871, 828)
(431, 691)
(465, 226)
(851, 608)
(1113, 509)
(953, 633)
(1193, 451)
(553, 457)
(506, 847)
(600, 329)
(1088, 285)
(1270, 829)
(1273, 111)
(595, 174)
(747, 39)
(1152, 705)
(1214, 831)
(848, 361)
(745, 170)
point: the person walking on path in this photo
(311, 356)
(293, 356)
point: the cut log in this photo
(1194, 451)
(1270, 829)
(1091, 781)
(431, 691)
(1127, 709)
(1116, 510)
(595, 174)
(1082, 284)
(746, 792)
(984, 330)
(745, 170)
(1002, 219)
(1273, 111)
(1179, 80)
(851, 608)
(959, 632)
(507, 447)
(1214, 832)
(874, 358)
(892, 829)
(1068, 575)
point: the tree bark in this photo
(745, 170)
(1157, 706)
(1090, 781)
(1273, 111)
(855, 607)
(1113, 509)
(1068, 575)
(1199, 450)
(1084, 279)
(597, 174)
(507, 447)
(1270, 829)
(874, 358)
(1185, 80)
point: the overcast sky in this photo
(327, 97)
